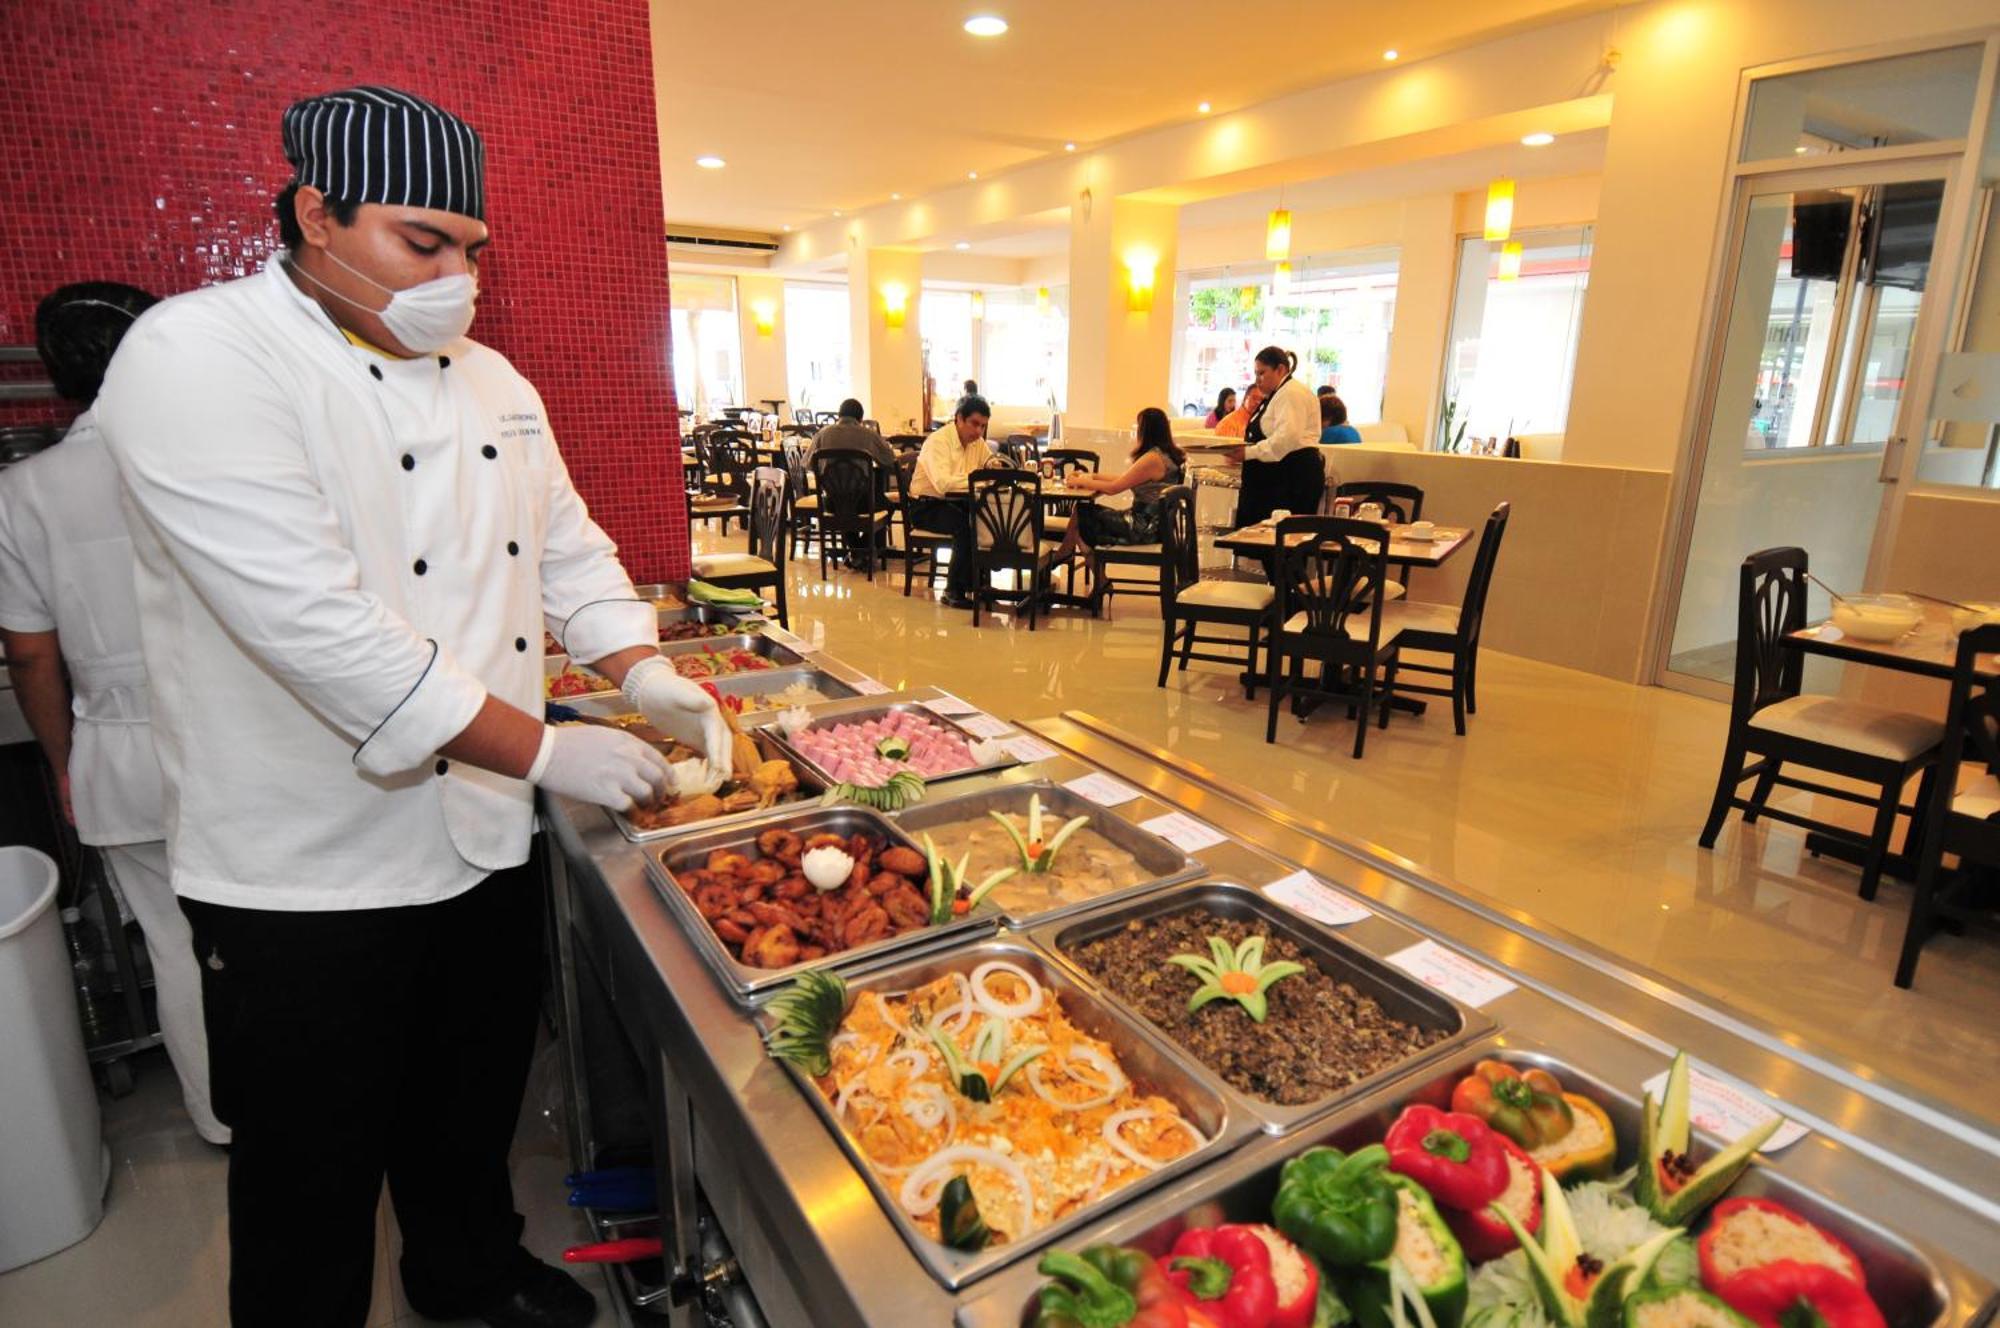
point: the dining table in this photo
(1261, 540)
(1928, 650)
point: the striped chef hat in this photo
(378, 145)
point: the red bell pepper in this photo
(1482, 1235)
(1224, 1273)
(1456, 1157)
(1791, 1294)
(1826, 1289)
(1294, 1275)
(1107, 1286)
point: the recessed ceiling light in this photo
(963, 244)
(1069, 147)
(1537, 140)
(836, 212)
(1203, 108)
(986, 25)
(1391, 53)
(1800, 149)
(710, 163)
(788, 228)
(972, 175)
(895, 198)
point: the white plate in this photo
(1414, 538)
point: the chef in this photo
(1282, 467)
(71, 632)
(352, 525)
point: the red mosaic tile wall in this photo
(144, 148)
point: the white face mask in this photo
(426, 317)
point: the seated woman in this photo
(1156, 467)
(1236, 421)
(1225, 404)
(1333, 425)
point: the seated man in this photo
(849, 434)
(937, 489)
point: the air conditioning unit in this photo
(710, 240)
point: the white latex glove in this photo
(606, 766)
(681, 710)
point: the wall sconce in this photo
(764, 314)
(979, 304)
(1499, 210)
(1278, 234)
(895, 303)
(1141, 266)
(1041, 299)
(1510, 261)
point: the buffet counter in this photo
(767, 1217)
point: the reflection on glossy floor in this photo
(1573, 798)
(160, 1257)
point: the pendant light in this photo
(1499, 210)
(1278, 235)
(1510, 261)
(1041, 299)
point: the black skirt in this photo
(1294, 483)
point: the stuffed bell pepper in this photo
(1107, 1286)
(1424, 1269)
(1339, 1207)
(1780, 1271)
(1456, 1157)
(1564, 1132)
(1242, 1276)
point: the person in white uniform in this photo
(352, 525)
(71, 632)
(1281, 460)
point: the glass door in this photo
(1827, 295)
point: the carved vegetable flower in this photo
(1239, 974)
(1038, 854)
(952, 894)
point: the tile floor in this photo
(1574, 798)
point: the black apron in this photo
(1293, 483)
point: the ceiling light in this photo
(895, 198)
(1278, 234)
(1203, 108)
(788, 228)
(963, 244)
(1510, 261)
(1069, 147)
(1800, 150)
(1537, 140)
(972, 175)
(986, 25)
(836, 212)
(1391, 53)
(1499, 210)
(710, 163)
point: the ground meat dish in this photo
(1319, 1036)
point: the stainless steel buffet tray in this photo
(1399, 994)
(756, 644)
(746, 982)
(553, 664)
(1906, 1280)
(1144, 1057)
(1163, 863)
(862, 716)
(809, 789)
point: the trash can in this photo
(53, 1163)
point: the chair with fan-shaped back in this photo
(920, 546)
(1007, 537)
(1188, 604)
(1327, 615)
(800, 500)
(850, 504)
(763, 567)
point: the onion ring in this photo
(992, 1004)
(922, 1188)
(1118, 1118)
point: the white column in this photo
(1120, 358)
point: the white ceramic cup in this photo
(1422, 530)
(1279, 514)
(1368, 512)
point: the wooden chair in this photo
(1771, 719)
(1451, 629)
(1327, 614)
(849, 503)
(800, 500)
(1187, 603)
(729, 458)
(763, 567)
(1018, 448)
(1066, 459)
(906, 442)
(920, 546)
(1401, 503)
(1006, 537)
(1961, 821)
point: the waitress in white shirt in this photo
(352, 525)
(1281, 461)
(71, 631)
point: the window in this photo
(1922, 98)
(1512, 351)
(1334, 313)
(1024, 350)
(946, 319)
(708, 347)
(816, 345)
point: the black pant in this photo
(348, 1045)
(1294, 482)
(943, 514)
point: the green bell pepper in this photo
(1438, 1297)
(1339, 1206)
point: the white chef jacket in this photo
(66, 567)
(1291, 421)
(341, 555)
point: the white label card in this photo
(1028, 750)
(1184, 832)
(870, 687)
(1102, 790)
(1452, 973)
(983, 726)
(1316, 899)
(1726, 1111)
(949, 705)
